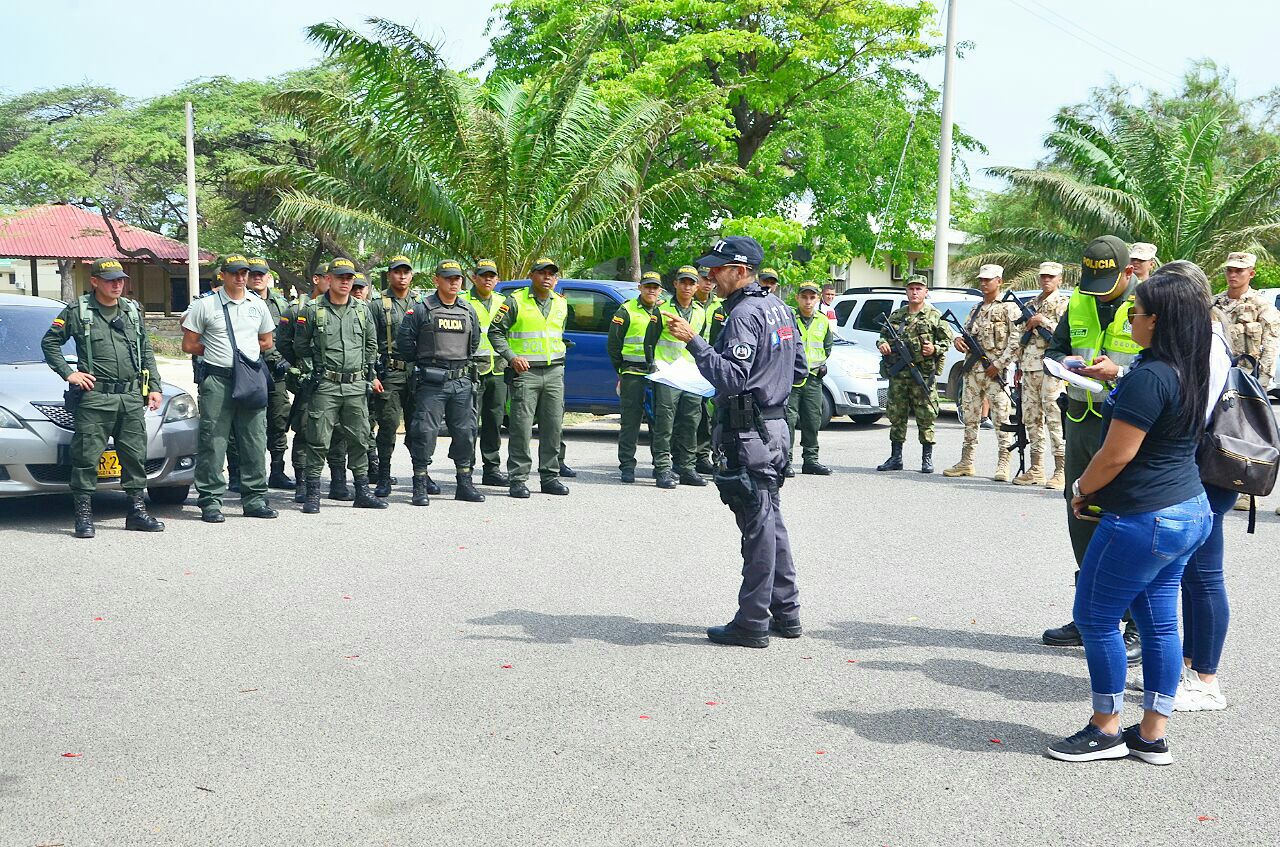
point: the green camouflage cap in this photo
(916, 279)
(108, 269)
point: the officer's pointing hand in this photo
(81, 379)
(520, 364)
(680, 328)
(153, 400)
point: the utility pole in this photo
(193, 234)
(942, 228)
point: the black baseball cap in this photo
(770, 273)
(1103, 264)
(400, 262)
(734, 250)
(809, 286)
(258, 265)
(688, 272)
(486, 266)
(651, 278)
(449, 268)
(108, 269)
(235, 262)
(545, 264)
(342, 266)
(360, 281)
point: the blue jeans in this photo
(1135, 562)
(1205, 612)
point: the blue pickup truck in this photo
(589, 378)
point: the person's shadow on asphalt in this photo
(941, 728)
(623, 631)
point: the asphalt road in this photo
(535, 672)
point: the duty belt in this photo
(342, 377)
(449, 373)
(111, 386)
(778, 413)
(397, 365)
(534, 366)
(216, 371)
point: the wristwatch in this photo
(1075, 489)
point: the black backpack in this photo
(1240, 450)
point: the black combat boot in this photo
(894, 462)
(383, 488)
(311, 504)
(84, 515)
(364, 497)
(233, 476)
(926, 458)
(374, 464)
(338, 488)
(495, 477)
(278, 478)
(466, 490)
(432, 488)
(420, 495)
(137, 519)
(300, 492)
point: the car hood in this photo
(854, 357)
(22, 385)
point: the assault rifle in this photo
(899, 358)
(1027, 314)
(976, 355)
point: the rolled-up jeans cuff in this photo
(1109, 704)
(1154, 701)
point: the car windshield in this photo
(21, 328)
(959, 308)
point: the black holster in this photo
(71, 398)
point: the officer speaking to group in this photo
(753, 364)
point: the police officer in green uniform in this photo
(293, 380)
(1093, 339)
(769, 280)
(633, 334)
(336, 347)
(528, 333)
(277, 397)
(491, 383)
(229, 322)
(396, 400)
(804, 406)
(440, 335)
(929, 338)
(108, 393)
(675, 412)
(713, 308)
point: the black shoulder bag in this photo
(250, 381)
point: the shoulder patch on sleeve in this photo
(742, 352)
(59, 322)
(503, 309)
(302, 319)
(618, 320)
(408, 312)
(719, 316)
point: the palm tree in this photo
(416, 158)
(1130, 176)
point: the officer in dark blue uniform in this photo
(753, 364)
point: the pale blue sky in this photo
(1029, 56)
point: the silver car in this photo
(35, 429)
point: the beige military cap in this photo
(1241, 260)
(1050, 268)
(1142, 251)
(990, 272)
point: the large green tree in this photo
(811, 98)
(416, 158)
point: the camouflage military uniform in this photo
(905, 396)
(1040, 391)
(992, 324)
(1254, 330)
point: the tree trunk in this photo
(65, 267)
(633, 233)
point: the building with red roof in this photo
(75, 237)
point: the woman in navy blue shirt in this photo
(1153, 516)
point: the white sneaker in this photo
(1195, 695)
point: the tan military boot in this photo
(964, 467)
(1002, 473)
(1033, 475)
(1242, 503)
(1059, 479)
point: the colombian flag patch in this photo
(302, 319)
(503, 309)
(617, 320)
(59, 322)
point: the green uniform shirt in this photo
(396, 317)
(279, 309)
(347, 343)
(925, 325)
(113, 349)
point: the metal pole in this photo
(942, 227)
(193, 235)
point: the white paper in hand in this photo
(1094, 387)
(684, 375)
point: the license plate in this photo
(109, 465)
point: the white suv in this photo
(859, 310)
